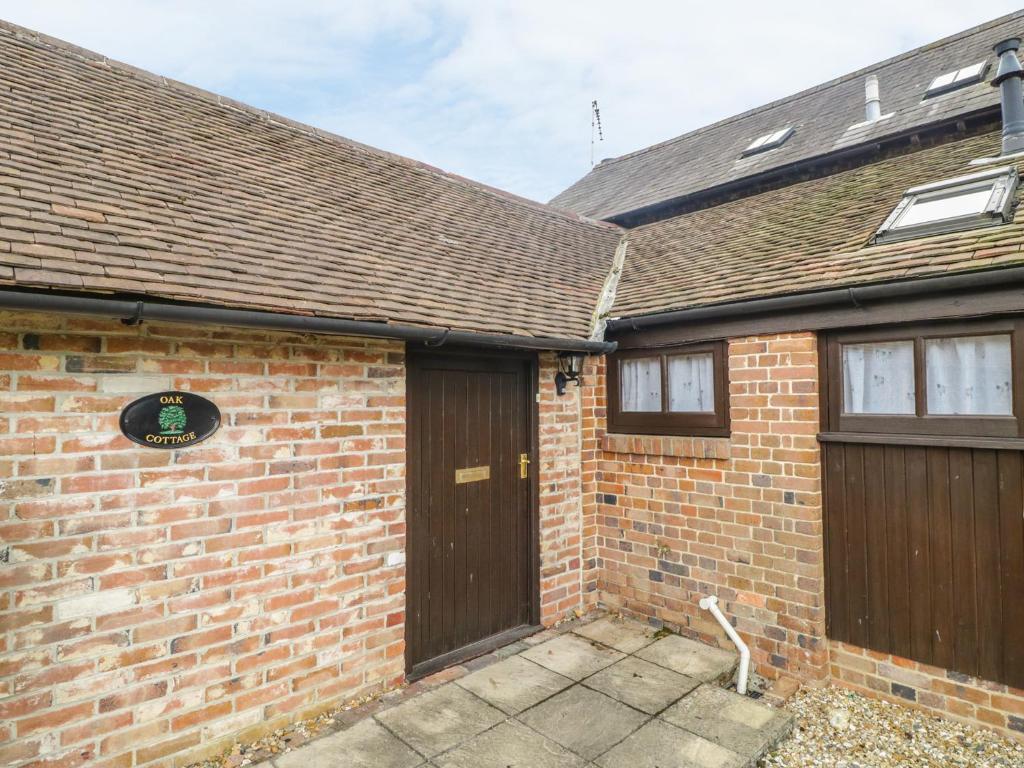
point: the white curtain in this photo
(640, 384)
(969, 375)
(879, 378)
(691, 383)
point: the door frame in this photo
(415, 356)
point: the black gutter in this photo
(853, 296)
(133, 312)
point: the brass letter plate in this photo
(472, 474)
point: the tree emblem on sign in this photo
(172, 420)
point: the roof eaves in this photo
(853, 294)
(134, 310)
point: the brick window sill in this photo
(658, 445)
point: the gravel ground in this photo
(836, 728)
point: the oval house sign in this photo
(170, 420)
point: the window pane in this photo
(975, 71)
(969, 376)
(879, 378)
(942, 80)
(640, 384)
(969, 201)
(691, 383)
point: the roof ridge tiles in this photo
(226, 102)
(817, 88)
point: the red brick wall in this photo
(157, 603)
(670, 519)
(921, 686)
(560, 497)
(155, 600)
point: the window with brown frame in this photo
(963, 379)
(679, 390)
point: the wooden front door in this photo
(472, 577)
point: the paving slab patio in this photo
(660, 745)
(573, 656)
(365, 745)
(641, 685)
(622, 635)
(729, 719)
(609, 693)
(514, 684)
(440, 719)
(510, 744)
(585, 721)
(690, 658)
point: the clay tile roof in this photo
(117, 180)
(808, 236)
(825, 117)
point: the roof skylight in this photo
(958, 78)
(966, 202)
(769, 141)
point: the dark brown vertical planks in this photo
(856, 545)
(925, 554)
(838, 614)
(471, 544)
(877, 567)
(1011, 565)
(987, 565)
(918, 553)
(965, 609)
(896, 556)
(941, 544)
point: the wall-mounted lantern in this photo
(570, 366)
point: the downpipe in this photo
(711, 604)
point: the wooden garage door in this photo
(925, 554)
(471, 575)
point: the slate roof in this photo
(825, 117)
(808, 236)
(116, 180)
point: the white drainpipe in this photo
(711, 604)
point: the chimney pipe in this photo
(872, 102)
(1011, 93)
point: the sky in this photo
(500, 90)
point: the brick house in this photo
(802, 393)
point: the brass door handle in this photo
(524, 464)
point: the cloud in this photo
(221, 43)
(500, 91)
